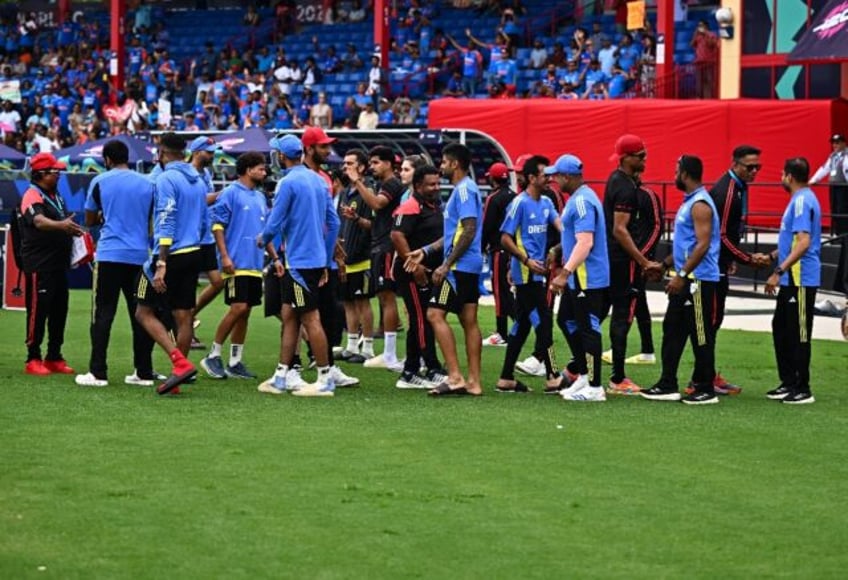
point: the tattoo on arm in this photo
(469, 228)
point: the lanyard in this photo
(59, 207)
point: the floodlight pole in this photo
(382, 37)
(118, 13)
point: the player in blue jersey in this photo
(456, 282)
(524, 235)
(202, 151)
(304, 214)
(121, 202)
(169, 278)
(796, 278)
(584, 279)
(691, 290)
(238, 218)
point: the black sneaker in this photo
(700, 398)
(356, 359)
(660, 393)
(799, 398)
(779, 393)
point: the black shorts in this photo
(452, 295)
(273, 293)
(243, 290)
(381, 272)
(357, 285)
(300, 288)
(208, 257)
(180, 281)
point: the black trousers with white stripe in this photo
(792, 329)
(689, 316)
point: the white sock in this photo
(216, 350)
(390, 346)
(281, 370)
(323, 373)
(368, 347)
(235, 353)
(352, 339)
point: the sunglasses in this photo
(752, 166)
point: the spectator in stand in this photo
(552, 79)
(357, 12)
(405, 112)
(598, 92)
(368, 119)
(558, 57)
(569, 93)
(539, 54)
(496, 50)
(329, 62)
(606, 55)
(386, 114)
(321, 113)
(143, 18)
(618, 84)
(509, 26)
(375, 79)
(440, 71)
(45, 140)
(10, 117)
(251, 17)
(471, 66)
(454, 86)
(597, 33)
(506, 72)
(286, 75)
(593, 75)
(628, 53)
(705, 43)
(284, 116)
(351, 59)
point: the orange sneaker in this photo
(625, 387)
(722, 387)
(58, 366)
(36, 367)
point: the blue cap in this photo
(566, 165)
(203, 144)
(288, 145)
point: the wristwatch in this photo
(779, 271)
(682, 274)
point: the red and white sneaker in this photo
(494, 340)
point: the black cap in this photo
(837, 138)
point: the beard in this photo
(678, 183)
(785, 187)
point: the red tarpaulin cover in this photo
(670, 128)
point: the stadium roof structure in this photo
(826, 40)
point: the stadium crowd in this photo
(65, 96)
(327, 242)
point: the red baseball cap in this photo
(315, 136)
(627, 145)
(521, 160)
(498, 171)
(45, 161)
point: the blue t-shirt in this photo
(464, 203)
(126, 200)
(527, 221)
(803, 214)
(241, 213)
(583, 213)
(470, 63)
(685, 240)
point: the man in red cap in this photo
(47, 232)
(630, 228)
(494, 212)
(316, 151)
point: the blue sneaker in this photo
(239, 371)
(214, 367)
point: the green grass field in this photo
(223, 482)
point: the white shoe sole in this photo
(89, 380)
(312, 393)
(639, 360)
(209, 373)
(267, 387)
(666, 397)
(713, 401)
(529, 372)
(801, 402)
(137, 382)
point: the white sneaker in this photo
(276, 385)
(531, 366)
(579, 384)
(606, 356)
(642, 359)
(494, 340)
(342, 380)
(376, 362)
(337, 350)
(320, 388)
(587, 395)
(195, 323)
(137, 381)
(294, 381)
(411, 381)
(89, 380)
(396, 366)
